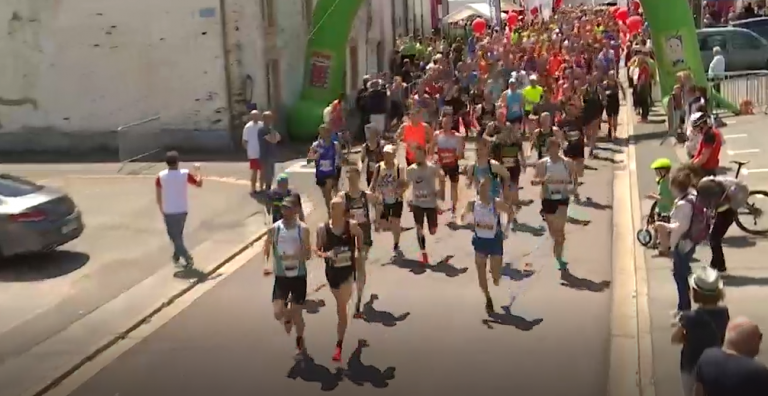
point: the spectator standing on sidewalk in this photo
(716, 71)
(251, 146)
(377, 103)
(703, 327)
(268, 139)
(173, 202)
(733, 369)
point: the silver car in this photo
(35, 218)
(742, 49)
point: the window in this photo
(12, 187)
(268, 12)
(745, 41)
(306, 8)
(273, 84)
(707, 43)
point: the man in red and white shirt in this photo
(172, 200)
(252, 146)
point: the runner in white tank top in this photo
(450, 149)
(556, 175)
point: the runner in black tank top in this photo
(337, 243)
(373, 153)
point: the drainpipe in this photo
(227, 76)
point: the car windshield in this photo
(12, 186)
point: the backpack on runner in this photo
(701, 221)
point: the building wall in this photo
(80, 67)
(75, 71)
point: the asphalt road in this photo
(123, 246)
(744, 253)
(425, 330)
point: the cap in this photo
(290, 201)
(283, 177)
(390, 149)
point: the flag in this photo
(495, 8)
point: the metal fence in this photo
(737, 87)
(137, 142)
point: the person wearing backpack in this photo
(723, 195)
(703, 327)
(688, 226)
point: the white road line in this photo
(735, 136)
(730, 152)
(746, 171)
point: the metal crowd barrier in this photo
(737, 87)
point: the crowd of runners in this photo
(530, 96)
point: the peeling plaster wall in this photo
(81, 67)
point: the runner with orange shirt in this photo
(415, 133)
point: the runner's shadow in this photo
(589, 167)
(386, 318)
(739, 241)
(529, 229)
(307, 370)
(607, 159)
(194, 275)
(572, 281)
(515, 274)
(314, 306)
(589, 203)
(360, 373)
(418, 268)
(742, 280)
(509, 319)
(454, 226)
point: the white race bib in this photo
(342, 257)
(509, 162)
(358, 214)
(422, 194)
(515, 108)
(372, 166)
(556, 195)
(326, 165)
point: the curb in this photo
(630, 358)
(124, 334)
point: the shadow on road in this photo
(572, 281)
(740, 241)
(536, 231)
(418, 268)
(386, 318)
(742, 280)
(509, 319)
(42, 266)
(307, 370)
(314, 306)
(606, 159)
(360, 373)
(515, 274)
(589, 203)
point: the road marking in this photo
(733, 152)
(746, 171)
(735, 136)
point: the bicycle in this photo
(749, 209)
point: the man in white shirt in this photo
(252, 147)
(171, 196)
(716, 68)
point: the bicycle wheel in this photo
(747, 217)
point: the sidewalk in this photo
(425, 328)
(744, 254)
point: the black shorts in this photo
(514, 174)
(516, 120)
(452, 172)
(420, 213)
(574, 150)
(321, 181)
(337, 276)
(367, 233)
(392, 210)
(293, 289)
(550, 206)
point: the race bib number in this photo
(290, 264)
(342, 257)
(422, 195)
(514, 108)
(358, 214)
(556, 195)
(372, 166)
(447, 157)
(326, 165)
(509, 162)
(484, 226)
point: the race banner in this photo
(495, 8)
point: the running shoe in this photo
(337, 354)
(562, 265)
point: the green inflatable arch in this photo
(676, 46)
(326, 61)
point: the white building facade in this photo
(75, 71)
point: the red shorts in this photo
(254, 164)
